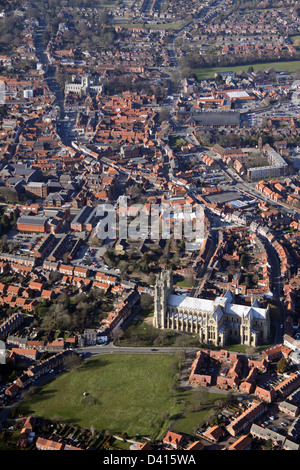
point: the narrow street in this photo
(205, 269)
(41, 52)
(277, 290)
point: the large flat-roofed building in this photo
(214, 119)
(28, 223)
(218, 322)
(37, 190)
(277, 166)
(84, 220)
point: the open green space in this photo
(159, 26)
(176, 141)
(208, 72)
(136, 394)
(143, 333)
(107, 3)
(201, 407)
(295, 38)
(184, 283)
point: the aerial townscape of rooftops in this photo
(150, 226)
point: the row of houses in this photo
(25, 347)
(229, 377)
(9, 325)
(28, 435)
(285, 443)
(36, 371)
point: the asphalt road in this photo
(277, 289)
(52, 83)
(97, 350)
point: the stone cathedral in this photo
(218, 322)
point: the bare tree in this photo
(117, 334)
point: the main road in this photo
(50, 77)
(89, 351)
(207, 14)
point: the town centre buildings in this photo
(217, 322)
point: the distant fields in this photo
(107, 3)
(131, 393)
(166, 26)
(295, 37)
(289, 67)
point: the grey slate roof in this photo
(214, 118)
(32, 220)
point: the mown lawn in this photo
(184, 283)
(192, 418)
(125, 393)
(158, 26)
(295, 37)
(131, 393)
(289, 67)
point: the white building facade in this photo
(218, 322)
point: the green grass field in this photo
(125, 393)
(295, 37)
(184, 283)
(289, 67)
(160, 26)
(131, 393)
